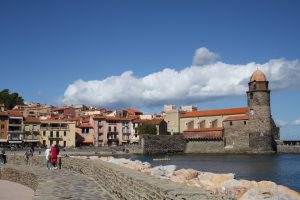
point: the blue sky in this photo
(46, 46)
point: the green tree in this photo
(10, 100)
(147, 129)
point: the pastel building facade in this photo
(58, 132)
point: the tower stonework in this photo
(260, 124)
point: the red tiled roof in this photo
(32, 120)
(61, 108)
(88, 141)
(202, 113)
(204, 129)
(236, 118)
(134, 112)
(4, 113)
(154, 121)
(14, 113)
(130, 118)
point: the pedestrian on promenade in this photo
(2, 155)
(59, 161)
(53, 157)
(47, 155)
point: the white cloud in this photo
(283, 123)
(203, 57)
(208, 78)
(296, 122)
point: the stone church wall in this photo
(205, 147)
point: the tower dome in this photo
(258, 76)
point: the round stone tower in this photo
(260, 119)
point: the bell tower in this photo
(260, 119)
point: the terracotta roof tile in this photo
(202, 113)
(32, 120)
(134, 112)
(236, 118)
(204, 129)
(14, 113)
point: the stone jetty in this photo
(218, 184)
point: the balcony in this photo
(55, 138)
(31, 138)
(54, 128)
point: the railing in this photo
(54, 128)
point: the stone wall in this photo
(152, 144)
(126, 184)
(21, 177)
(236, 136)
(205, 147)
(288, 149)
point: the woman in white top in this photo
(47, 154)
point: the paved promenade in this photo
(8, 191)
(64, 184)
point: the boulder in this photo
(161, 171)
(287, 193)
(183, 175)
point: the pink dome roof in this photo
(258, 76)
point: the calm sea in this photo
(282, 169)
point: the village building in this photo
(31, 131)
(3, 128)
(58, 132)
(15, 127)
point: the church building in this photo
(249, 129)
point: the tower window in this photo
(230, 123)
(254, 86)
(251, 95)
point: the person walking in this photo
(2, 152)
(47, 155)
(53, 156)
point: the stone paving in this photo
(63, 184)
(8, 191)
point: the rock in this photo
(183, 175)
(287, 193)
(161, 171)
(237, 188)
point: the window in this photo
(44, 133)
(51, 134)
(230, 123)
(109, 129)
(57, 134)
(65, 143)
(251, 95)
(115, 129)
(245, 123)
(65, 133)
(2, 126)
(87, 130)
(44, 142)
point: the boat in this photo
(161, 159)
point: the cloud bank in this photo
(208, 78)
(284, 123)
